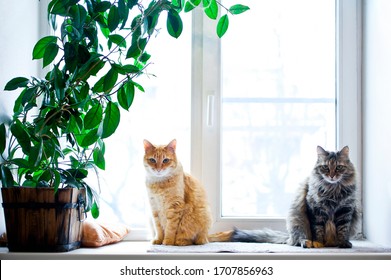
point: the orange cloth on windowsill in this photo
(96, 234)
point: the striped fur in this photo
(325, 211)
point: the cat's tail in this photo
(223, 236)
(253, 236)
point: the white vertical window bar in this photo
(348, 86)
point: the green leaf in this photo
(35, 155)
(238, 9)
(78, 173)
(126, 69)
(50, 54)
(74, 162)
(61, 7)
(136, 48)
(102, 6)
(83, 93)
(3, 138)
(174, 24)
(72, 182)
(138, 86)
(191, 4)
(99, 158)
(29, 184)
(151, 21)
(113, 18)
(98, 87)
(28, 94)
(118, 40)
(111, 119)
(132, 3)
(70, 56)
(45, 176)
(59, 82)
(110, 80)
(95, 210)
(6, 177)
(16, 83)
(22, 136)
(57, 180)
(144, 57)
(126, 95)
(91, 198)
(90, 138)
(91, 67)
(178, 4)
(211, 8)
(222, 26)
(93, 116)
(18, 108)
(123, 12)
(41, 45)
(83, 54)
(57, 7)
(72, 125)
(21, 162)
(79, 15)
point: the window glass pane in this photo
(278, 102)
(159, 114)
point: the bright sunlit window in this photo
(247, 111)
(278, 103)
(159, 114)
(282, 81)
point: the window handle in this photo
(210, 109)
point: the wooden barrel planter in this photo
(38, 220)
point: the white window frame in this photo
(206, 105)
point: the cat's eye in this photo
(339, 167)
(152, 160)
(325, 168)
(166, 160)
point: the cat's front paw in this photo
(157, 242)
(311, 244)
(183, 242)
(200, 240)
(168, 241)
(306, 243)
(345, 244)
(317, 244)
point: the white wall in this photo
(19, 31)
(377, 120)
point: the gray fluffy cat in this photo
(324, 213)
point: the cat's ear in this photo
(172, 145)
(345, 151)
(321, 151)
(148, 145)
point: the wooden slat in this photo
(41, 229)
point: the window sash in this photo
(206, 89)
(206, 106)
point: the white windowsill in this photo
(139, 250)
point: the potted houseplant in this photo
(55, 138)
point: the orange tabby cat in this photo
(179, 206)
